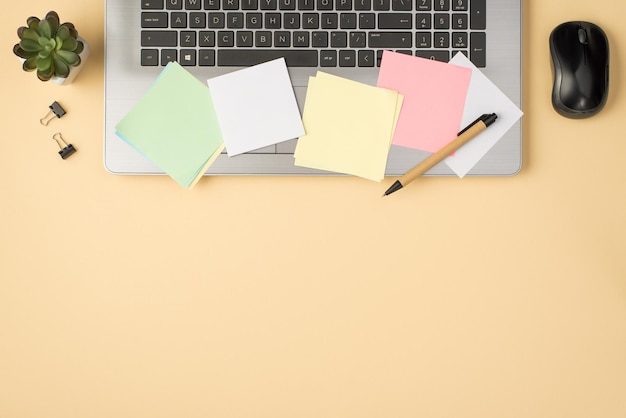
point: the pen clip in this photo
(487, 118)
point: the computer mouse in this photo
(580, 61)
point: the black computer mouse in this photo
(580, 60)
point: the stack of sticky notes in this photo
(349, 127)
(175, 126)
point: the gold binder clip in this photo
(66, 149)
(55, 111)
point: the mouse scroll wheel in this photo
(582, 36)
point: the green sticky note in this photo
(175, 125)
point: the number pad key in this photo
(442, 5)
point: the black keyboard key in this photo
(193, 4)
(245, 38)
(459, 5)
(367, 21)
(244, 58)
(423, 40)
(197, 20)
(478, 42)
(230, 4)
(179, 20)
(442, 21)
(168, 55)
(423, 21)
(154, 20)
(287, 4)
(395, 21)
(347, 58)
(291, 21)
(382, 5)
(347, 21)
(282, 39)
(217, 20)
(442, 5)
(358, 39)
(330, 21)
(366, 58)
(234, 20)
(152, 4)
(328, 58)
(159, 38)
(188, 39)
(225, 38)
(269, 4)
(305, 4)
(301, 39)
(338, 39)
(459, 21)
(262, 39)
(343, 5)
(310, 21)
(441, 39)
(390, 40)
(272, 20)
(319, 40)
(188, 57)
(424, 5)
(478, 14)
(212, 4)
(402, 5)
(254, 20)
(362, 4)
(459, 40)
(443, 56)
(174, 4)
(249, 4)
(149, 57)
(325, 4)
(206, 39)
(206, 58)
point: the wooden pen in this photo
(462, 138)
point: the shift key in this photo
(159, 38)
(390, 40)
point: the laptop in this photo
(341, 37)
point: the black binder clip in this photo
(55, 111)
(66, 149)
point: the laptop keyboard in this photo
(309, 33)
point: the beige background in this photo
(312, 297)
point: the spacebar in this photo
(239, 57)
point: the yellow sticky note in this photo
(349, 127)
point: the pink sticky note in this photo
(434, 99)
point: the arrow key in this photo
(366, 58)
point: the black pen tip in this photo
(394, 187)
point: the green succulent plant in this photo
(48, 46)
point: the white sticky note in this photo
(256, 107)
(482, 97)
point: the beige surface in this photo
(481, 297)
